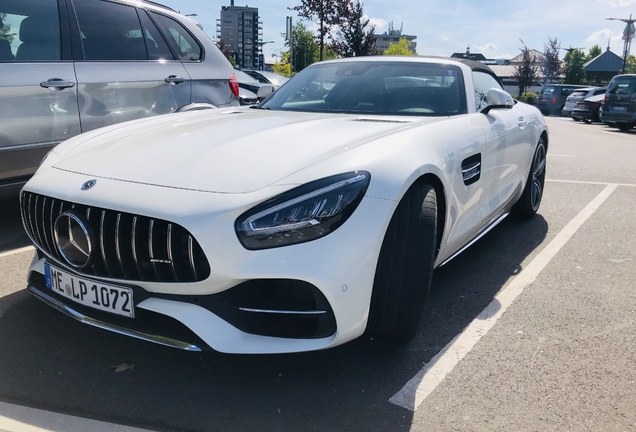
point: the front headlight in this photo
(304, 213)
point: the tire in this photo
(624, 127)
(403, 275)
(530, 200)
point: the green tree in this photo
(226, 50)
(526, 73)
(328, 13)
(573, 66)
(630, 65)
(305, 49)
(551, 65)
(354, 38)
(282, 67)
(5, 29)
(402, 48)
(595, 51)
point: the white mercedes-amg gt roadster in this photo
(297, 224)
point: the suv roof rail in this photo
(159, 5)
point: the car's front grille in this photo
(124, 245)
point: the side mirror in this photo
(498, 99)
(264, 91)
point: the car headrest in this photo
(42, 29)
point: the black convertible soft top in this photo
(473, 64)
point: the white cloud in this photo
(600, 37)
(379, 23)
(618, 3)
(486, 48)
(444, 38)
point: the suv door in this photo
(38, 95)
(125, 69)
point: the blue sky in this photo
(491, 27)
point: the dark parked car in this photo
(552, 97)
(74, 66)
(577, 96)
(253, 87)
(587, 110)
(619, 106)
(267, 77)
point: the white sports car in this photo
(295, 225)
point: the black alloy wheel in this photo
(530, 200)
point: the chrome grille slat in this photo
(102, 243)
(170, 256)
(158, 250)
(118, 246)
(133, 242)
(191, 256)
(151, 249)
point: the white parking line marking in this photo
(589, 182)
(434, 372)
(16, 418)
(17, 251)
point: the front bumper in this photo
(339, 267)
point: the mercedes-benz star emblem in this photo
(73, 239)
(89, 184)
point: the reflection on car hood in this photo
(229, 151)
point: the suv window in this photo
(622, 85)
(483, 82)
(157, 46)
(182, 42)
(29, 31)
(110, 31)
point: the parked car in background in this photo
(551, 99)
(578, 95)
(74, 66)
(253, 86)
(587, 110)
(619, 105)
(295, 225)
(267, 77)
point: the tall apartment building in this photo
(241, 29)
(393, 36)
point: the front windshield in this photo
(374, 87)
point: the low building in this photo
(385, 39)
(601, 69)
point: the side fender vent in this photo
(471, 169)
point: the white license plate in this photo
(619, 108)
(107, 298)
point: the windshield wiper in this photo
(257, 107)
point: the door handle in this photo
(57, 84)
(522, 122)
(174, 80)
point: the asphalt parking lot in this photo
(532, 328)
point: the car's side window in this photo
(157, 46)
(483, 82)
(109, 31)
(29, 31)
(182, 42)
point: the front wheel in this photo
(403, 275)
(530, 200)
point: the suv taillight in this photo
(604, 99)
(234, 85)
(553, 100)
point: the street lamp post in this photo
(628, 35)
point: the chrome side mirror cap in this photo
(498, 99)
(264, 91)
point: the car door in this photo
(38, 94)
(125, 69)
(505, 146)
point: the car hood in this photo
(229, 151)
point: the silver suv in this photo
(70, 66)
